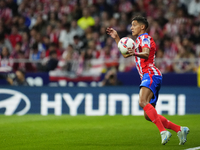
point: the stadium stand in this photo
(75, 30)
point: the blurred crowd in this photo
(70, 35)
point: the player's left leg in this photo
(145, 96)
(166, 123)
(169, 125)
(182, 132)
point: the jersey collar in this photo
(142, 34)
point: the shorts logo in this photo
(144, 81)
(12, 103)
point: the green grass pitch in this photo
(36, 132)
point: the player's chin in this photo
(133, 34)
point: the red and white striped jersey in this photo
(146, 65)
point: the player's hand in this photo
(112, 32)
(130, 51)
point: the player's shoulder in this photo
(145, 36)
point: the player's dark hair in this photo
(142, 20)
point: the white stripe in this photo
(139, 63)
(142, 38)
(194, 148)
(154, 70)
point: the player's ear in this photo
(142, 26)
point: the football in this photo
(124, 43)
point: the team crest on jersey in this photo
(146, 41)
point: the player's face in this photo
(136, 28)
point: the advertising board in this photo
(96, 101)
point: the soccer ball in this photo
(124, 43)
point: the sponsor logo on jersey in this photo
(146, 41)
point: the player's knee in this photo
(142, 102)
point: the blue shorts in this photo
(153, 83)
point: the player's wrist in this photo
(135, 54)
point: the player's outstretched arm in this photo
(113, 34)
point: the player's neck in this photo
(140, 33)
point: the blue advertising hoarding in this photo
(94, 101)
(127, 79)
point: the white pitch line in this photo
(194, 148)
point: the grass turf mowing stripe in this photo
(95, 133)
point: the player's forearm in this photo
(144, 55)
(117, 39)
(126, 55)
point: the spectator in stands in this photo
(66, 7)
(22, 26)
(35, 54)
(181, 65)
(16, 50)
(52, 18)
(86, 21)
(13, 6)
(5, 43)
(46, 42)
(110, 79)
(5, 13)
(23, 63)
(171, 28)
(102, 36)
(103, 6)
(19, 79)
(14, 37)
(68, 59)
(105, 19)
(52, 62)
(195, 36)
(194, 7)
(171, 11)
(66, 36)
(39, 42)
(33, 36)
(30, 16)
(164, 65)
(182, 30)
(75, 29)
(40, 25)
(53, 33)
(125, 6)
(53, 47)
(25, 44)
(78, 44)
(5, 60)
(122, 30)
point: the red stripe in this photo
(126, 41)
(159, 73)
(151, 80)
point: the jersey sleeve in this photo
(146, 42)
